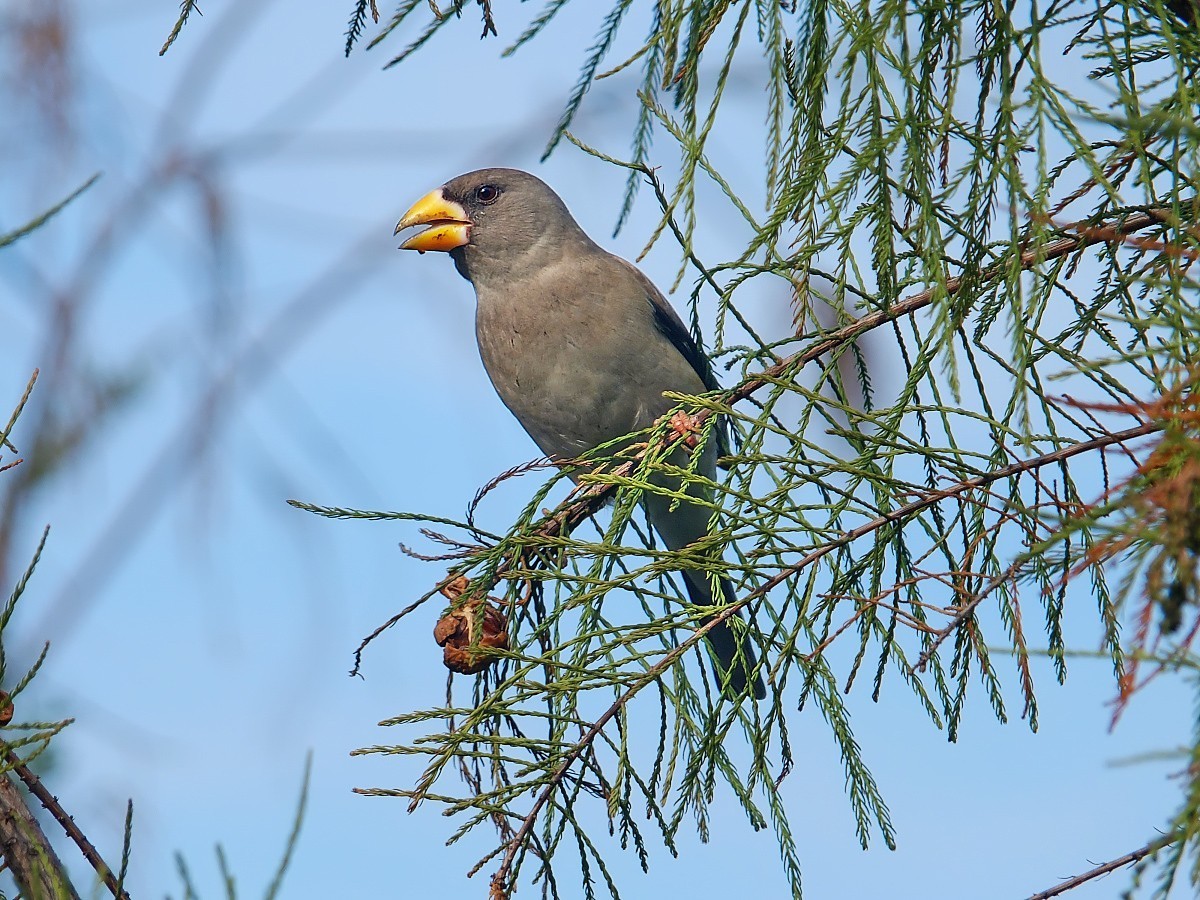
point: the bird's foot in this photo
(686, 427)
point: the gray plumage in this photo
(580, 346)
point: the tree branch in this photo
(35, 866)
(1104, 868)
(50, 802)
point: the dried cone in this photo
(6, 708)
(466, 632)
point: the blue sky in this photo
(205, 652)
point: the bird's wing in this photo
(667, 321)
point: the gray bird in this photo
(579, 345)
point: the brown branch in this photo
(50, 802)
(1065, 453)
(27, 852)
(963, 614)
(500, 889)
(903, 512)
(1104, 868)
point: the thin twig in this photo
(963, 613)
(969, 608)
(16, 413)
(903, 512)
(1104, 868)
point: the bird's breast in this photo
(565, 375)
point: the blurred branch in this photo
(273, 889)
(294, 835)
(58, 433)
(248, 366)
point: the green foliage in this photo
(906, 515)
(358, 21)
(39, 733)
(27, 854)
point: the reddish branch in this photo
(933, 497)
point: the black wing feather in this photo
(668, 322)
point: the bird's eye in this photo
(487, 193)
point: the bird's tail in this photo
(733, 653)
(681, 525)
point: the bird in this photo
(580, 346)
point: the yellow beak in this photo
(448, 224)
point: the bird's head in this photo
(492, 221)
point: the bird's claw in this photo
(684, 426)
